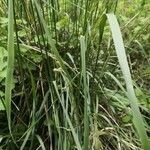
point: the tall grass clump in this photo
(65, 85)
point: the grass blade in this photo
(120, 50)
(85, 87)
(68, 118)
(41, 142)
(10, 62)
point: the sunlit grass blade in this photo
(10, 62)
(120, 50)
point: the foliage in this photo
(68, 91)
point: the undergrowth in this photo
(63, 75)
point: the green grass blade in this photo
(41, 142)
(120, 50)
(10, 62)
(51, 41)
(68, 118)
(85, 90)
(26, 138)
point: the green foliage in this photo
(68, 90)
(120, 50)
(3, 63)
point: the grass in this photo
(69, 89)
(120, 50)
(85, 91)
(10, 63)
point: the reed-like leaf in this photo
(10, 62)
(85, 91)
(68, 118)
(120, 50)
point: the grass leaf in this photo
(120, 50)
(10, 62)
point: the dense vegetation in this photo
(67, 79)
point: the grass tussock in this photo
(67, 82)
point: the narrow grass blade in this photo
(120, 50)
(41, 142)
(26, 138)
(50, 40)
(10, 62)
(68, 118)
(85, 88)
(116, 80)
